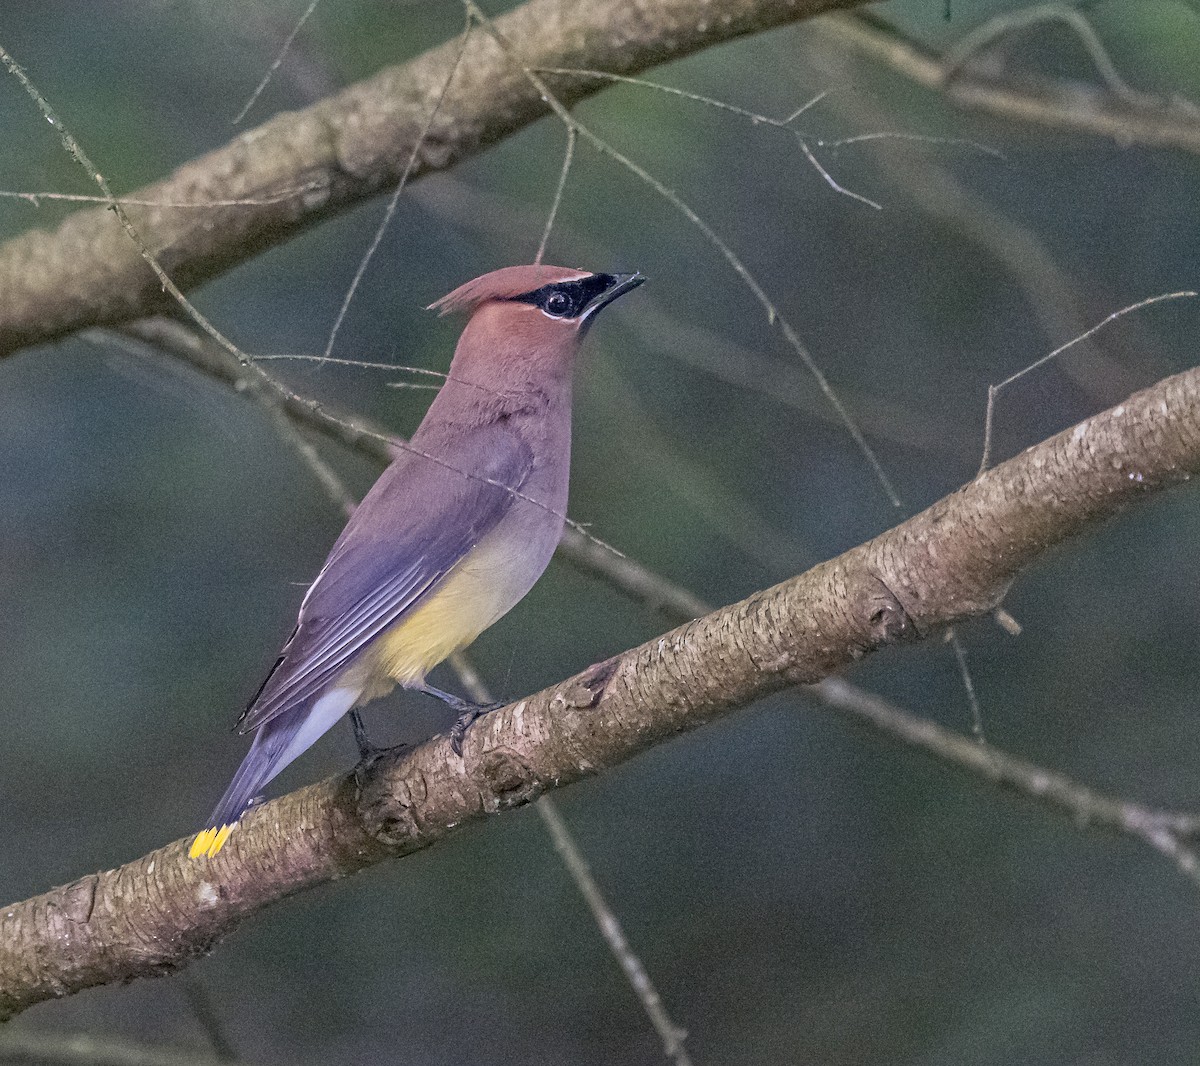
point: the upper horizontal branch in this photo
(954, 560)
(1130, 118)
(335, 153)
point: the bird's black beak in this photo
(618, 285)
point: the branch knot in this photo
(883, 615)
(511, 780)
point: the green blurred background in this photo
(800, 889)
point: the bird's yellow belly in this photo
(480, 590)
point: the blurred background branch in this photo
(1110, 109)
(36, 1048)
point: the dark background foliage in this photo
(800, 889)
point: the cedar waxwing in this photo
(446, 542)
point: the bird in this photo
(452, 535)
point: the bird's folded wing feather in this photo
(418, 521)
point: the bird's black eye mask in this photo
(568, 299)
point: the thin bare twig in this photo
(995, 390)
(604, 916)
(394, 200)
(964, 672)
(275, 65)
(671, 1035)
(209, 1018)
(361, 364)
(568, 158)
(35, 198)
(721, 105)
(1168, 832)
(706, 230)
(970, 44)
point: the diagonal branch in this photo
(952, 561)
(1171, 833)
(344, 149)
(1167, 832)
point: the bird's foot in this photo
(467, 713)
(458, 731)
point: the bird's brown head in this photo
(530, 315)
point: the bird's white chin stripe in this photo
(324, 714)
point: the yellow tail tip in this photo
(210, 841)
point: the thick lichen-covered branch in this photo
(302, 167)
(952, 561)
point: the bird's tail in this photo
(276, 744)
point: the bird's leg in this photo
(467, 713)
(457, 703)
(366, 750)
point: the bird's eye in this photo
(557, 304)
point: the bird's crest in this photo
(503, 284)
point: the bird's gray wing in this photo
(418, 521)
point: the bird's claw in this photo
(458, 732)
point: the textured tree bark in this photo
(952, 561)
(334, 154)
